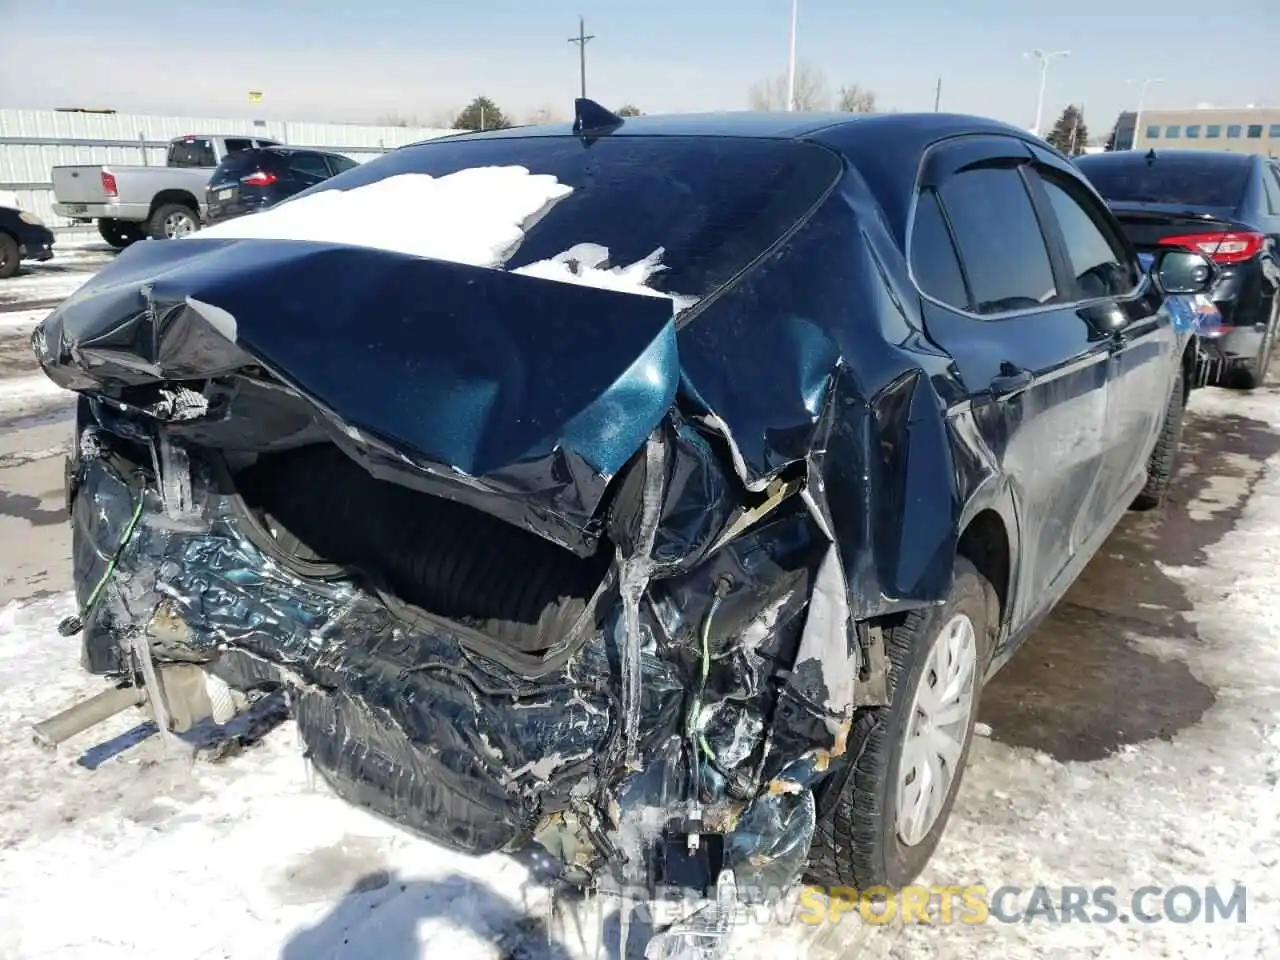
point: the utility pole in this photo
(791, 61)
(581, 40)
(1044, 59)
(937, 96)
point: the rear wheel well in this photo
(985, 544)
(181, 197)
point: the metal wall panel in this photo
(34, 141)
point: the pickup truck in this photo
(133, 201)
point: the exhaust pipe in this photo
(87, 713)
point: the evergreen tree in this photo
(481, 114)
(1069, 134)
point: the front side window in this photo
(999, 238)
(934, 261)
(1101, 267)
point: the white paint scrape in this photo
(476, 216)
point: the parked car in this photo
(23, 236)
(250, 181)
(660, 468)
(1225, 205)
(131, 201)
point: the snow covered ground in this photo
(110, 848)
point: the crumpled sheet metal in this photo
(402, 718)
(528, 395)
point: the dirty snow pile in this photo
(478, 216)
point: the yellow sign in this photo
(255, 96)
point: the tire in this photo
(858, 842)
(1251, 374)
(165, 220)
(119, 233)
(1163, 463)
(8, 256)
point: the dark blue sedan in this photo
(610, 486)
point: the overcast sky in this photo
(358, 59)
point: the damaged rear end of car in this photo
(541, 539)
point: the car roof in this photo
(776, 125)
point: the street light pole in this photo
(1142, 95)
(1044, 59)
(791, 62)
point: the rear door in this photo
(1035, 370)
(1113, 294)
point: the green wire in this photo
(125, 537)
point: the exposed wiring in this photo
(697, 737)
(74, 624)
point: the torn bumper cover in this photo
(511, 565)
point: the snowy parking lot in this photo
(1133, 745)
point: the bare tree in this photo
(855, 99)
(443, 119)
(543, 114)
(811, 90)
(396, 119)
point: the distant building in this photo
(1239, 130)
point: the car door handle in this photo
(1011, 384)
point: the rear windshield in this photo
(236, 165)
(1191, 180)
(192, 153)
(712, 204)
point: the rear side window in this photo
(1100, 268)
(934, 261)
(309, 165)
(236, 144)
(1199, 181)
(1001, 246)
(196, 152)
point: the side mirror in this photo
(1184, 272)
